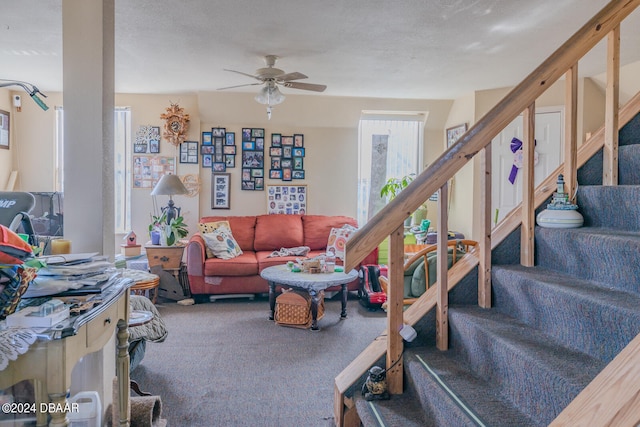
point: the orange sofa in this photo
(258, 236)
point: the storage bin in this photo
(89, 413)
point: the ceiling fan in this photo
(271, 78)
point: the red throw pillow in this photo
(13, 250)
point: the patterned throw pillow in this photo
(338, 240)
(210, 227)
(222, 244)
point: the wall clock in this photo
(176, 123)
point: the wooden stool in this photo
(143, 281)
(150, 285)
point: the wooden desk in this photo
(50, 362)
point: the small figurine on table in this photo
(131, 238)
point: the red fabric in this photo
(274, 232)
(318, 227)
(243, 265)
(12, 248)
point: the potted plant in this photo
(393, 187)
(168, 233)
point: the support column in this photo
(88, 101)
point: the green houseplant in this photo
(394, 186)
(169, 232)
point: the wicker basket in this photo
(293, 308)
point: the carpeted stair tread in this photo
(629, 164)
(531, 369)
(400, 410)
(452, 395)
(582, 252)
(584, 315)
(611, 206)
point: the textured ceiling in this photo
(430, 49)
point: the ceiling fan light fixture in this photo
(270, 95)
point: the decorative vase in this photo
(155, 237)
(560, 213)
(560, 218)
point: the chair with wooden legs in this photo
(420, 267)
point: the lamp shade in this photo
(168, 186)
(270, 95)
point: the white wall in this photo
(6, 162)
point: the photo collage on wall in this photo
(147, 140)
(218, 149)
(252, 159)
(189, 152)
(147, 170)
(287, 199)
(287, 157)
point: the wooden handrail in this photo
(480, 134)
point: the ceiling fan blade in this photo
(291, 76)
(244, 74)
(305, 86)
(231, 87)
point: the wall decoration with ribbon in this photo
(516, 149)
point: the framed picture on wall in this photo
(4, 129)
(287, 199)
(453, 133)
(220, 190)
(189, 152)
(206, 138)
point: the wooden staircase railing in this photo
(388, 222)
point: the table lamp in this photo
(169, 185)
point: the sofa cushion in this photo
(242, 227)
(274, 232)
(210, 227)
(222, 244)
(318, 227)
(338, 240)
(243, 265)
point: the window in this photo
(388, 148)
(122, 158)
(122, 173)
(59, 154)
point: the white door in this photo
(548, 133)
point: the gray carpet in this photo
(225, 364)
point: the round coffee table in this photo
(313, 283)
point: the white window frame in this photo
(400, 127)
(122, 162)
